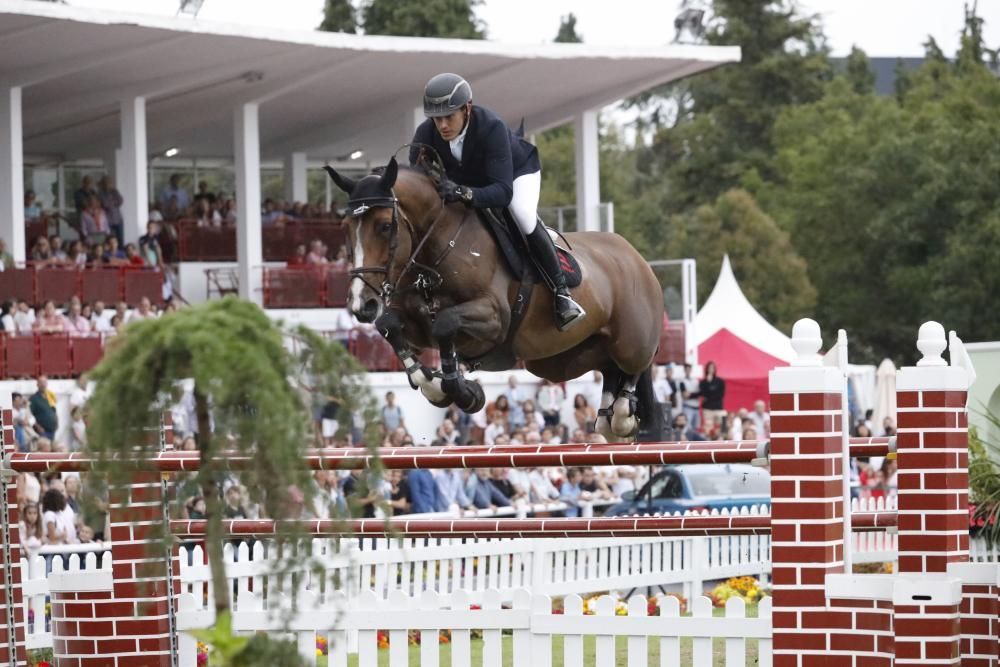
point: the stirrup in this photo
(570, 314)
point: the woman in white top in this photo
(58, 520)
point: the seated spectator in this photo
(542, 489)
(341, 260)
(7, 324)
(272, 215)
(24, 318)
(234, 508)
(77, 255)
(451, 487)
(497, 427)
(113, 253)
(680, 430)
(316, 255)
(41, 252)
(56, 245)
(143, 312)
(100, 318)
(361, 496)
(95, 255)
(6, 259)
(399, 493)
(512, 492)
(298, 258)
(94, 221)
(205, 216)
(32, 209)
(117, 324)
(30, 528)
(74, 322)
(448, 434)
(483, 493)
(550, 400)
(229, 212)
(533, 419)
(58, 520)
(50, 321)
(570, 492)
(591, 487)
(424, 494)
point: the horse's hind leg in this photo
(624, 423)
(612, 381)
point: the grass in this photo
(653, 649)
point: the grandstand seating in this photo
(218, 244)
(37, 284)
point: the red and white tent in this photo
(743, 345)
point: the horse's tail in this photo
(650, 414)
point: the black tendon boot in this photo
(568, 312)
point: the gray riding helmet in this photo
(445, 94)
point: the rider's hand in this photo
(450, 192)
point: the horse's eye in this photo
(384, 227)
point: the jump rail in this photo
(510, 456)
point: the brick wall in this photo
(12, 650)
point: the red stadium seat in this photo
(101, 284)
(85, 352)
(143, 283)
(54, 357)
(19, 356)
(56, 283)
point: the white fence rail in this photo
(530, 621)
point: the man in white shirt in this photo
(761, 420)
(78, 397)
(24, 318)
(691, 405)
(100, 318)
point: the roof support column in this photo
(296, 178)
(588, 172)
(411, 121)
(12, 173)
(132, 169)
(249, 251)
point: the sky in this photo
(880, 27)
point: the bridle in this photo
(428, 277)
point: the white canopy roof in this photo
(327, 94)
(728, 308)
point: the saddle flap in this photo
(514, 249)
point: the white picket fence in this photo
(529, 620)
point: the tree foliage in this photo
(567, 30)
(893, 201)
(339, 16)
(423, 18)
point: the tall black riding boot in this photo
(568, 312)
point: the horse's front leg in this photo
(477, 318)
(428, 382)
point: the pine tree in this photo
(423, 18)
(567, 30)
(339, 16)
(859, 72)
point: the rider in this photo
(489, 166)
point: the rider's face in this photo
(450, 126)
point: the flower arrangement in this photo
(202, 654)
(746, 588)
(322, 646)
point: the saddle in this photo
(513, 248)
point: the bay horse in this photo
(429, 274)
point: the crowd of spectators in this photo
(75, 318)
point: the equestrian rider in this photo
(489, 166)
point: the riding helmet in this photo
(445, 94)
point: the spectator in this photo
(451, 487)
(328, 420)
(533, 420)
(43, 408)
(77, 430)
(58, 520)
(73, 321)
(205, 215)
(174, 198)
(761, 419)
(540, 486)
(570, 492)
(681, 431)
(113, 253)
(84, 192)
(392, 414)
(94, 221)
(234, 508)
(111, 202)
(592, 487)
(483, 493)
(500, 479)
(77, 255)
(888, 427)
(50, 321)
(32, 209)
(515, 398)
(149, 245)
(497, 427)
(24, 422)
(316, 253)
(30, 528)
(664, 390)
(24, 318)
(41, 252)
(195, 508)
(584, 414)
(229, 212)
(100, 318)
(6, 259)
(689, 394)
(424, 494)
(71, 487)
(298, 257)
(399, 493)
(550, 401)
(143, 312)
(595, 389)
(448, 434)
(712, 390)
(7, 323)
(56, 246)
(341, 261)
(360, 495)
(132, 256)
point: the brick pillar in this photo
(12, 651)
(807, 525)
(933, 483)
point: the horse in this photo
(429, 274)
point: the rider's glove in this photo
(450, 192)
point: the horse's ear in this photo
(389, 175)
(343, 182)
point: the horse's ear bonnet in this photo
(372, 191)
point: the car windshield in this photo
(720, 482)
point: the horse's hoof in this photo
(443, 403)
(479, 397)
(624, 427)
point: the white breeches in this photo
(524, 203)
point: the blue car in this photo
(697, 487)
